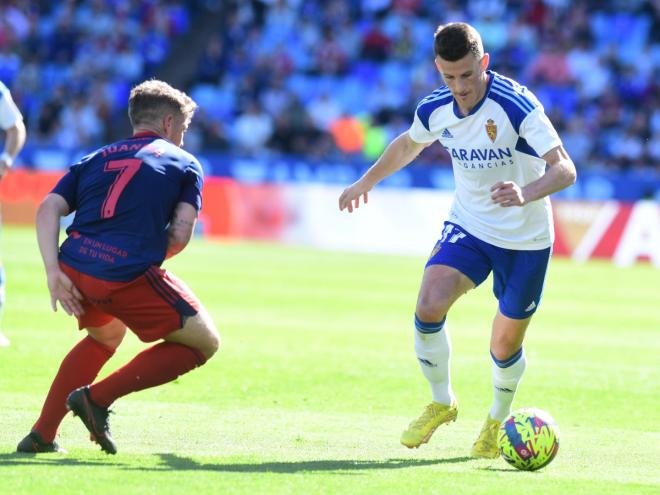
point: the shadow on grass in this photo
(504, 469)
(177, 463)
(54, 459)
(172, 462)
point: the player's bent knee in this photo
(213, 344)
(111, 334)
(200, 333)
(430, 311)
(211, 339)
(503, 349)
(508, 335)
(208, 346)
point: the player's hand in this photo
(62, 289)
(350, 198)
(507, 194)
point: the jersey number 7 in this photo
(127, 170)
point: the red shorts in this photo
(152, 305)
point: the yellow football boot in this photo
(420, 430)
(486, 444)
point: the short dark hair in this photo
(153, 99)
(455, 40)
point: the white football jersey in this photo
(502, 139)
(9, 113)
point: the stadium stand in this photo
(291, 77)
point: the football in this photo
(529, 439)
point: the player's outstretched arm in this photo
(182, 226)
(399, 153)
(14, 138)
(561, 173)
(14, 141)
(60, 286)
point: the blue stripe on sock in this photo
(427, 327)
(510, 361)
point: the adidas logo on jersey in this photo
(447, 134)
(531, 306)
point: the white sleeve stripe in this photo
(526, 102)
(426, 102)
(434, 96)
(512, 100)
(509, 83)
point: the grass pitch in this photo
(317, 378)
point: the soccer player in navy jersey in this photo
(136, 203)
(507, 159)
(11, 122)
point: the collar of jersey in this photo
(476, 108)
(145, 134)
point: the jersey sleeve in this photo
(539, 132)
(193, 183)
(9, 113)
(67, 187)
(419, 133)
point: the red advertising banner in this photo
(622, 232)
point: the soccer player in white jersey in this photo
(11, 122)
(507, 158)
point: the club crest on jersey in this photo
(491, 130)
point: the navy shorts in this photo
(518, 276)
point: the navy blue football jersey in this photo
(123, 196)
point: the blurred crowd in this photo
(70, 65)
(338, 79)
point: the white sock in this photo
(433, 351)
(506, 377)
